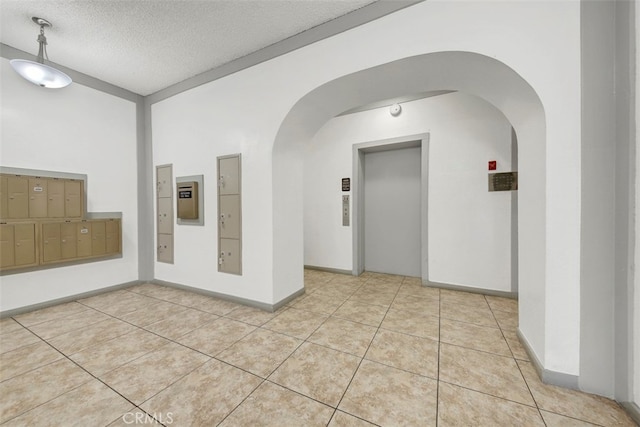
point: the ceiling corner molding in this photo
(343, 23)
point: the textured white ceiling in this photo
(147, 45)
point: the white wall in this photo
(243, 113)
(76, 130)
(469, 228)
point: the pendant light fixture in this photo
(37, 72)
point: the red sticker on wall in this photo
(493, 165)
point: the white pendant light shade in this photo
(37, 72)
(40, 74)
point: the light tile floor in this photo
(353, 351)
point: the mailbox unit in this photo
(43, 222)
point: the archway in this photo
(467, 72)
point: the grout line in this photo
(439, 350)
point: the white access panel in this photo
(165, 248)
(164, 183)
(230, 257)
(165, 215)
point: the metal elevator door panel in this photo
(392, 209)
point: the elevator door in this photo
(392, 234)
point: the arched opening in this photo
(471, 73)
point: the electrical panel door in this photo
(18, 206)
(55, 198)
(38, 197)
(83, 235)
(98, 238)
(25, 238)
(7, 246)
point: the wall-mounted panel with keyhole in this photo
(164, 213)
(229, 215)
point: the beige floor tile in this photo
(49, 313)
(555, 420)
(144, 377)
(27, 358)
(339, 291)
(296, 323)
(318, 304)
(415, 281)
(344, 335)
(158, 291)
(406, 352)
(502, 304)
(574, 404)
(317, 372)
(412, 323)
(418, 290)
(91, 404)
(342, 419)
(75, 341)
(214, 337)
(274, 406)
(345, 279)
(16, 339)
(487, 373)
(463, 298)
(178, 324)
(117, 303)
(209, 304)
(205, 396)
(472, 336)
(369, 314)
(252, 316)
(8, 325)
(378, 298)
(154, 312)
(515, 345)
(260, 352)
(390, 397)
(506, 321)
(430, 306)
(458, 406)
(109, 355)
(381, 286)
(139, 417)
(478, 315)
(81, 319)
(24, 392)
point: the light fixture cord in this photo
(42, 49)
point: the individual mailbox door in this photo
(51, 242)
(4, 196)
(230, 216)
(68, 243)
(113, 236)
(18, 206)
(73, 199)
(165, 216)
(38, 197)
(7, 246)
(25, 237)
(229, 257)
(165, 248)
(83, 235)
(98, 238)
(55, 198)
(229, 175)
